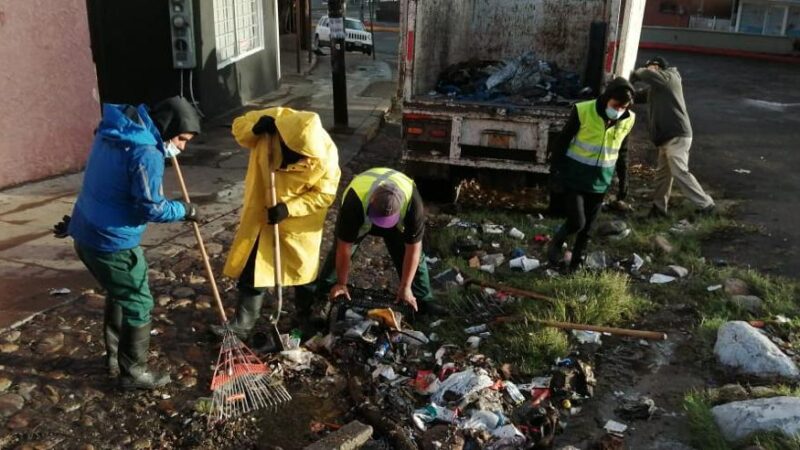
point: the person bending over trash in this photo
(591, 147)
(381, 202)
(305, 160)
(121, 193)
(671, 132)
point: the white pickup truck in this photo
(446, 136)
(356, 35)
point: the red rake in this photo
(241, 382)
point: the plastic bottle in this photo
(381, 349)
(487, 420)
(513, 393)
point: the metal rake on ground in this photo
(242, 382)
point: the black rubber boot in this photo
(248, 310)
(577, 256)
(112, 325)
(554, 256)
(134, 343)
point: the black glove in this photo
(288, 156)
(60, 230)
(192, 214)
(266, 124)
(277, 213)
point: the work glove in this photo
(266, 124)
(277, 213)
(60, 230)
(192, 213)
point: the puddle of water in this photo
(289, 427)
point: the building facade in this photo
(48, 90)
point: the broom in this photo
(242, 382)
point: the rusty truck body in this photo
(443, 134)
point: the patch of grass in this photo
(775, 441)
(705, 433)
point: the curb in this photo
(789, 59)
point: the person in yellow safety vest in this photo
(592, 146)
(305, 160)
(381, 202)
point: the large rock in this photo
(750, 303)
(744, 348)
(735, 286)
(738, 420)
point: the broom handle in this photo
(512, 290)
(276, 249)
(206, 262)
(652, 335)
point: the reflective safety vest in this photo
(365, 183)
(592, 155)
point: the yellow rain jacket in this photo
(308, 188)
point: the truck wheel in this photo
(368, 51)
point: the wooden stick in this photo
(199, 237)
(276, 249)
(652, 335)
(511, 290)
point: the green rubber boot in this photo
(247, 312)
(134, 343)
(112, 326)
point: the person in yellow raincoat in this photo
(306, 163)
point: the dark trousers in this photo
(420, 286)
(582, 209)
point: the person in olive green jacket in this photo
(591, 148)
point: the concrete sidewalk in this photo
(32, 261)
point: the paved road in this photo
(746, 115)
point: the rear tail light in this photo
(414, 130)
(438, 133)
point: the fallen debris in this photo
(660, 278)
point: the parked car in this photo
(357, 39)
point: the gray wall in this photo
(221, 90)
(719, 40)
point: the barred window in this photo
(239, 29)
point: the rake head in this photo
(242, 382)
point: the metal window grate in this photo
(238, 28)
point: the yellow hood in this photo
(302, 131)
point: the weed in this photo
(705, 433)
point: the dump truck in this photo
(448, 136)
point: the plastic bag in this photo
(462, 386)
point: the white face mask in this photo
(171, 150)
(613, 114)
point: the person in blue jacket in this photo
(121, 193)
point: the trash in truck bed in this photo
(521, 80)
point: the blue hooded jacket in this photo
(122, 184)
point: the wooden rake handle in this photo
(511, 290)
(643, 334)
(203, 253)
(276, 250)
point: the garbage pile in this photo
(434, 393)
(525, 79)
